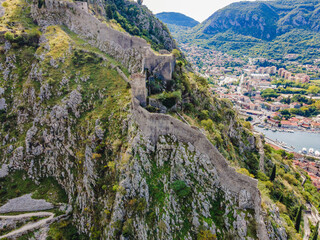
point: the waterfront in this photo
(298, 139)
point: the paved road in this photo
(30, 226)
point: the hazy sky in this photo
(197, 9)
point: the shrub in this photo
(206, 235)
(291, 179)
(170, 99)
(127, 229)
(181, 188)
(208, 125)
(9, 36)
(245, 172)
(261, 176)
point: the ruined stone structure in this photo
(133, 52)
(139, 90)
(83, 6)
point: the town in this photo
(274, 95)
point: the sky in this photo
(200, 10)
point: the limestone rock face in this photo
(172, 178)
(25, 204)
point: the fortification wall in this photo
(245, 188)
(133, 52)
(154, 125)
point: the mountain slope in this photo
(70, 117)
(177, 19)
(263, 20)
(255, 19)
(80, 103)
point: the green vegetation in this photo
(315, 234)
(269, 93)
(273, 174)
(17, 184)
(64, 230)
(181, 188)
(170, 99)
(298, 219)
(130, 14)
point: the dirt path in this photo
(30, 226)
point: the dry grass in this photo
(59, 42)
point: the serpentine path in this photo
(30, 226)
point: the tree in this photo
(249, 119)
(140, 2)
(298, 219)
(109, 12)
(314, 89)
(315, 235)
(269, 93)
(273, 174)
(317, 104)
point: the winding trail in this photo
(29, 226)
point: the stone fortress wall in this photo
(133, 52)
(154, 125)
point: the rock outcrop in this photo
(25, 204)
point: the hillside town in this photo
(313, 170)
(246, 92)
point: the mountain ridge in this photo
(177, 19)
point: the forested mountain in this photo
(266, 28)
(177, 19)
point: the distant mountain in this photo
(177, 19)
(264, 19)
(264, 28)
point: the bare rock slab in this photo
(4, 171)
(25, 204)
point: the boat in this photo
(304, 151)
(274, 130)
(317, 153)
(311, 151)
(290, 131)
(260, 126)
